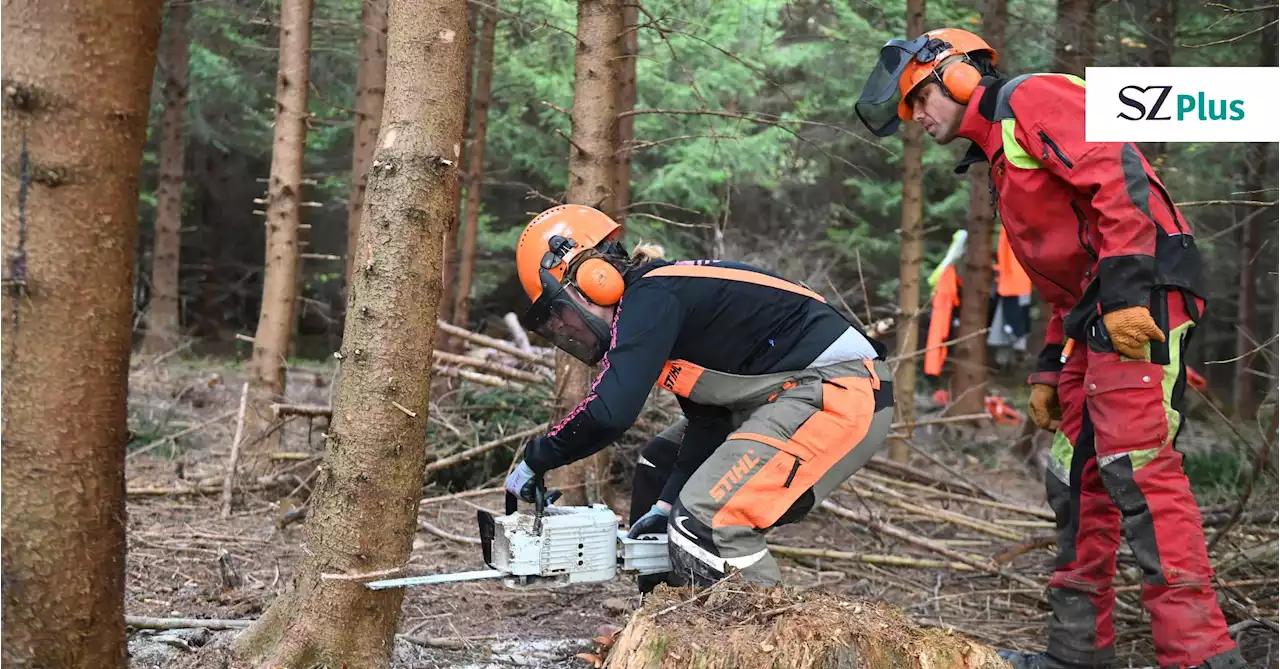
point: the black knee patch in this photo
(657, 460)
(686, 567)
(799, 509)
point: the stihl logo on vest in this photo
(741, 469)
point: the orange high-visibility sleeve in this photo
(946, 297)
(1013, 279)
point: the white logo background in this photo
(1257, 87)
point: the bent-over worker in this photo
(783, 398)
(1115, 260)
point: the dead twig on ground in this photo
(484, 448)
(191, 430)
(149, 623)
(922, 542)
(432, 529)
(229, 481)
(491, 342)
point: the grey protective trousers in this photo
(800, 435)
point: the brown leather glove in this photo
(1045, 410)
(1130, 330)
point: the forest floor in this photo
(185, 560)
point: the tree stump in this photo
(745, 627)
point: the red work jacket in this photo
(1090, 221)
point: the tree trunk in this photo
(162, 315)
(759, 628)
(969, 381)
(904, 378)
(1161, 41)
(480, 113)
(77, 82)
(969, 375)
(593, 163)
(364, 509)
(450, 266)
(1076, 36)
(630, 45)
(371, 88)
(1248, 321)
(280, 285)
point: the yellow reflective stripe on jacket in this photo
(1018, 156)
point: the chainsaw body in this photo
(555, 546)
(566, 545)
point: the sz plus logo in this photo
(1181, 104)
(1149, 103)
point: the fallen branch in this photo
(1246, 203)
(967, 418)
(491, 342)
(454, 459)
(475, 377)
(1038, 513)
(868, 558)
(493, 368)
(235, 454)
(518, 334)
(886, 496)
(920, 352)
(183, 433)
(890, 468)
(922, 542)
(443, 642)
(147, 623)
(428, 527)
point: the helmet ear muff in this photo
(599, 282)
(961, 79)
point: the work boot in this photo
(1021, 660)
(1231, 659)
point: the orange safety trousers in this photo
(813, 432)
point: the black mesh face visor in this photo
(566, 324)
(877, 106)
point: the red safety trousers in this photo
(1114, 468)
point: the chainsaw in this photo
(555, 546)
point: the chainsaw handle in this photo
(541, 498)
(511, 502)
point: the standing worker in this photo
(783, 398)
(1116, 262)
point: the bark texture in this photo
(449, 270)
(1077, 36)
(280, 282)
(371, 88)
(1245, 394)
(753, 628)
(630, 45)
(1162, 35)
(904, 378)
(969, 380)
(77, 81)
(475, 163)
(593, 164)
(364, 509)
(163, 322)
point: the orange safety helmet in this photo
(904, 65)
(560, 253)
